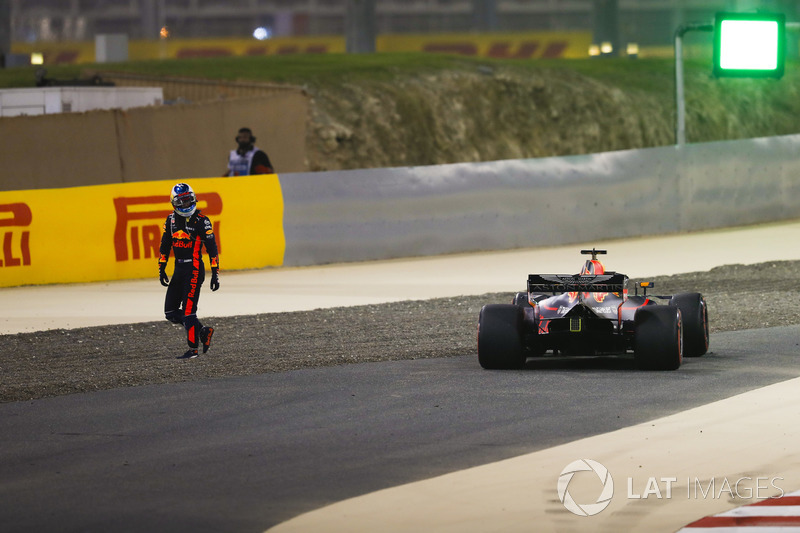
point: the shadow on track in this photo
(584, 362)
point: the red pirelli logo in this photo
(140, 221)
(16, 241)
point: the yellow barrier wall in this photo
(528, 45)
(107, 232)
(84, 52)
(531, 45)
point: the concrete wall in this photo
(173, 142)
(400, 212)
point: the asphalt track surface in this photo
(248, 453)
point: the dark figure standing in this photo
(247, 160)
(186, 231)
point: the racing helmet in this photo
(183, 200)
(593, 267)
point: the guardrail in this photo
(399, 212)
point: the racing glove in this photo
(214, 278)
(162, 274)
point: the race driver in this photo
(186, 231)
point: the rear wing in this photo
(559, 283)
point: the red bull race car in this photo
(592, 313)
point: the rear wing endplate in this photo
(559, 283)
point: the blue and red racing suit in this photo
(186, 238)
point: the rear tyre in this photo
(658, 339)
(694, 313)
(500, 337)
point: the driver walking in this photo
(186, 231)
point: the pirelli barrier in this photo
(107, 232)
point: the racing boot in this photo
(190, 354)
(205, 337)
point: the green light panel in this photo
(749, 45)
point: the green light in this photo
(749, 45)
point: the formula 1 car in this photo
(591, 313)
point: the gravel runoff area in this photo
(56, 362)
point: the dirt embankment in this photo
(461, 116)
(491, 113)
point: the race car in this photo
(591, 313)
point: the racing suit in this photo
(186, 238)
